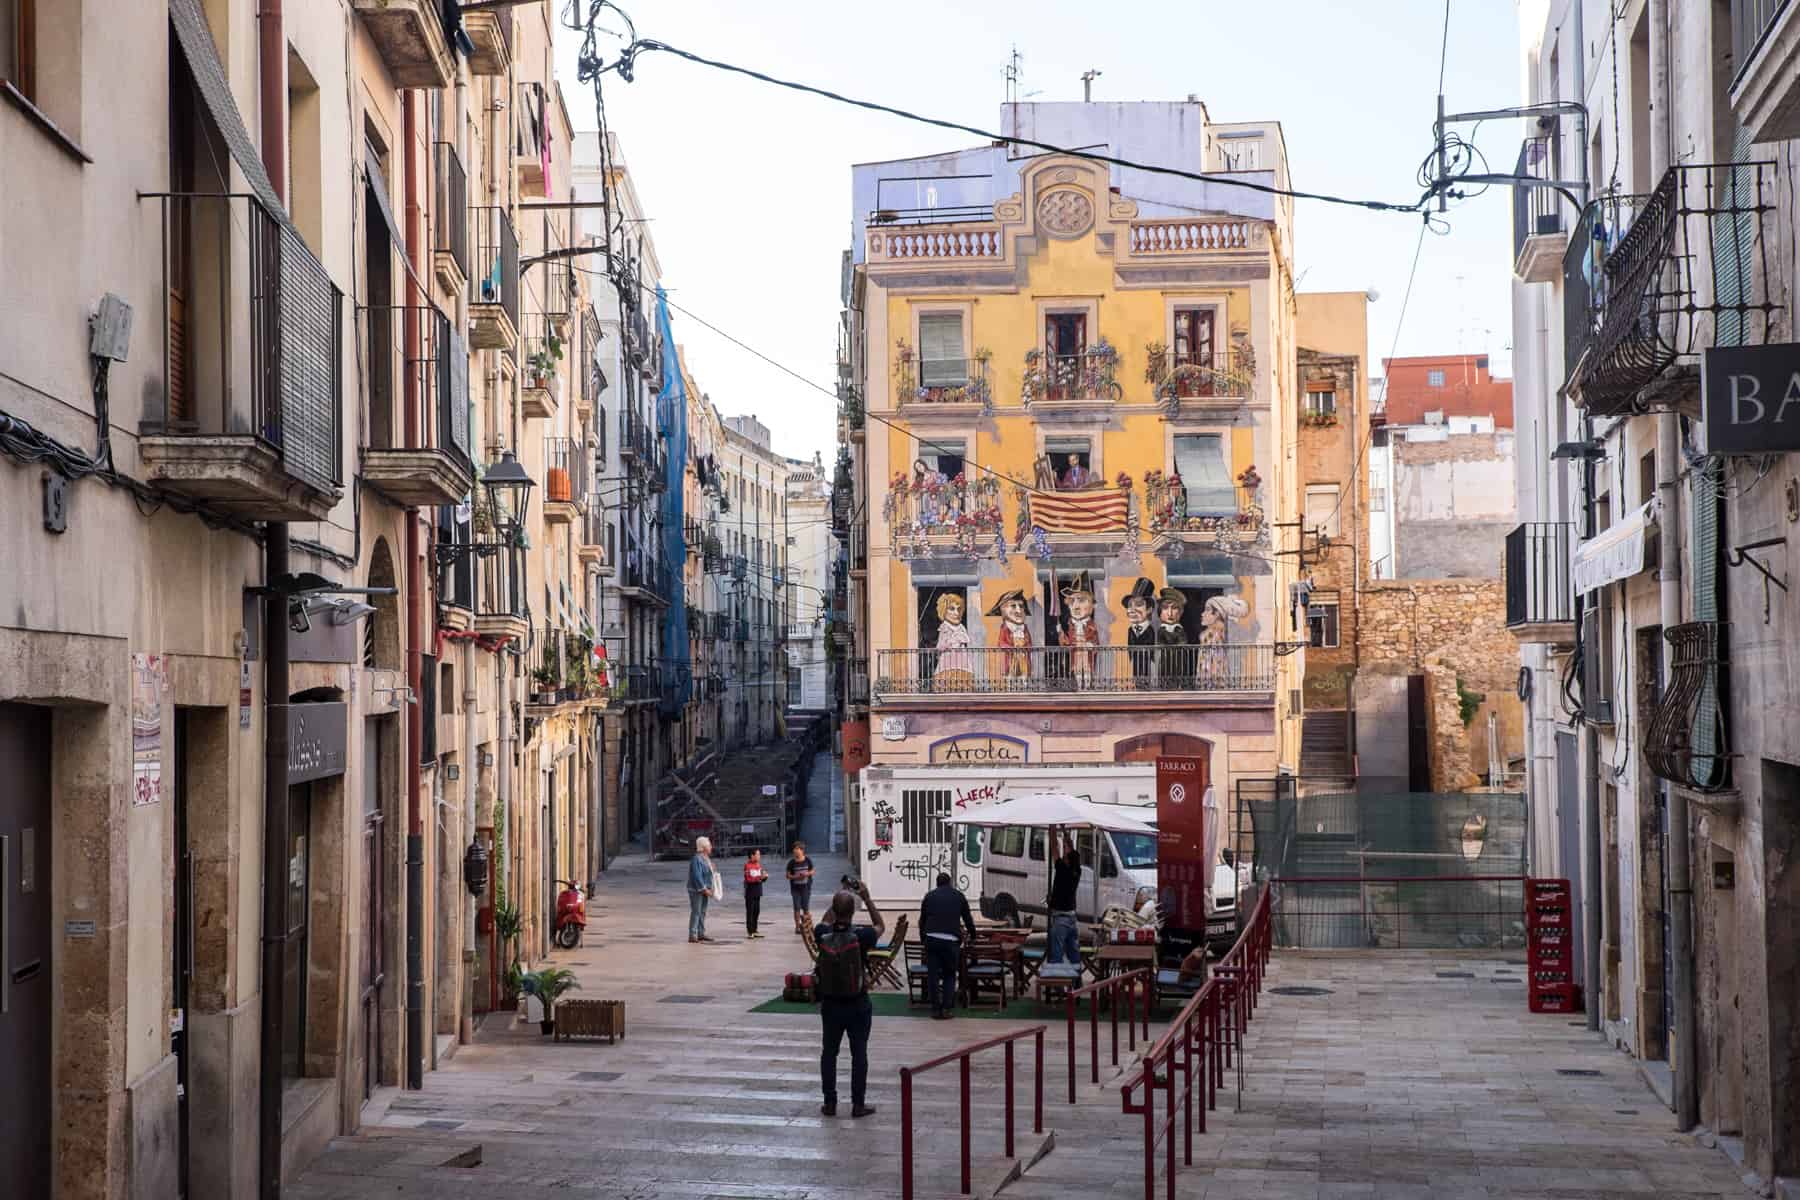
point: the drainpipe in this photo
(466, 1026)
(415, 639)
(272, 73)
(1668, 575)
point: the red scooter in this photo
(571, 915)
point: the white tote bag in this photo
(718, 887)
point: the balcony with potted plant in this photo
(565, 480)
(541, 382)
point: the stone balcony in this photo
(409, 35)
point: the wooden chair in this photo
(881, 960)
(984, 975)
(918, 975)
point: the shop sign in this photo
(317, 736)
(1183, 858)
(977, 750)
(856, 746)
(1752, 398)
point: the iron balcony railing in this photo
(983, 670)
(412, 360)
(1537, 211)
(593, 521)
(499, 578)
(637, 438)
(587, 362)
(953, 215)
(253, 343)
(859, 680)
(450, 205)
(1689, 270)
(565, 470)
(740, 630)
(1686, 738)
(1538, 589)
(545, 350)
(496, 261)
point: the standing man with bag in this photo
(842, 976)
(943, 915)
(1065, 885)
(701, 885)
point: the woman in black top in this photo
(800, 875)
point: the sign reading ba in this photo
(1752, 396)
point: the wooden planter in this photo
(590, 1018)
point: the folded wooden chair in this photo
(883, 969)
(918, 975)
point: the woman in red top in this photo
(755, 874)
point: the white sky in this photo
(748, 185)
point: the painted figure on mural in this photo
(1178, 502)
(1174, 658)
(1080, 633)
(1015, 634)
(1140, 630)
(1074, 476)
(955, 670)
(1215, 620)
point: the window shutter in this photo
(941, 351)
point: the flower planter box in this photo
(590, 1018)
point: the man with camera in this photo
(842, 975)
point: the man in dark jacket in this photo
(843, 981)
(943, 915)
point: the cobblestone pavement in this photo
(1414, 1076)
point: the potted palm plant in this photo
(549, 984)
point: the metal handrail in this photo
(962, 1055)
(1206, 1036)
(1141, 980)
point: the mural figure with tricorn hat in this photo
(1015, 635)
(1080, 633)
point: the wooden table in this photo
(1117, 959)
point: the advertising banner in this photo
(1183, 833)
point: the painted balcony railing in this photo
(942, 381)
(963, 512)
(1207, 374)
(908, 235)
(1233, 517)
(1058, 378)
(999, 670)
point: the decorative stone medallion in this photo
(1065, 213)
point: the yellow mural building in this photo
(1070, 417)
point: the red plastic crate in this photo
(1544, 889)
(1550, 977)
(1548, 956)
(1560, 998)
(1547, 915)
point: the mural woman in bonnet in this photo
(955, 670)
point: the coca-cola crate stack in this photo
(1550, 941)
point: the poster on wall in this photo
(146, 728)
(1183, 833)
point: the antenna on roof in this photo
(1087, 84)
(1012, 75)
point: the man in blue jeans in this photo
(943, 915)
(699, 886)
(1065, 885)
(842, 976)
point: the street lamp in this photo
(509, 487)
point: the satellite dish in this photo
(1373, 295)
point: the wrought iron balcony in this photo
(416, 366)
(252, 363)
(1540, 599)
(566, 668)
(449, 217)
(1240, 671)
(1686, 737)
(545, 350)
(590, 546)
(413, 39)
(1540, 226)
(1690, 271)
(499, 585)
(1070, 379)
(494, 289)
(565, 479)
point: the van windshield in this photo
(1136, 850)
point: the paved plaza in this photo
(1408, 1075)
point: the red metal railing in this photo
(1204, 1039)
(1134, 984)
(962, 1056)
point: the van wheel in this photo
(1006, 910)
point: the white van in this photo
(1015, 877)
